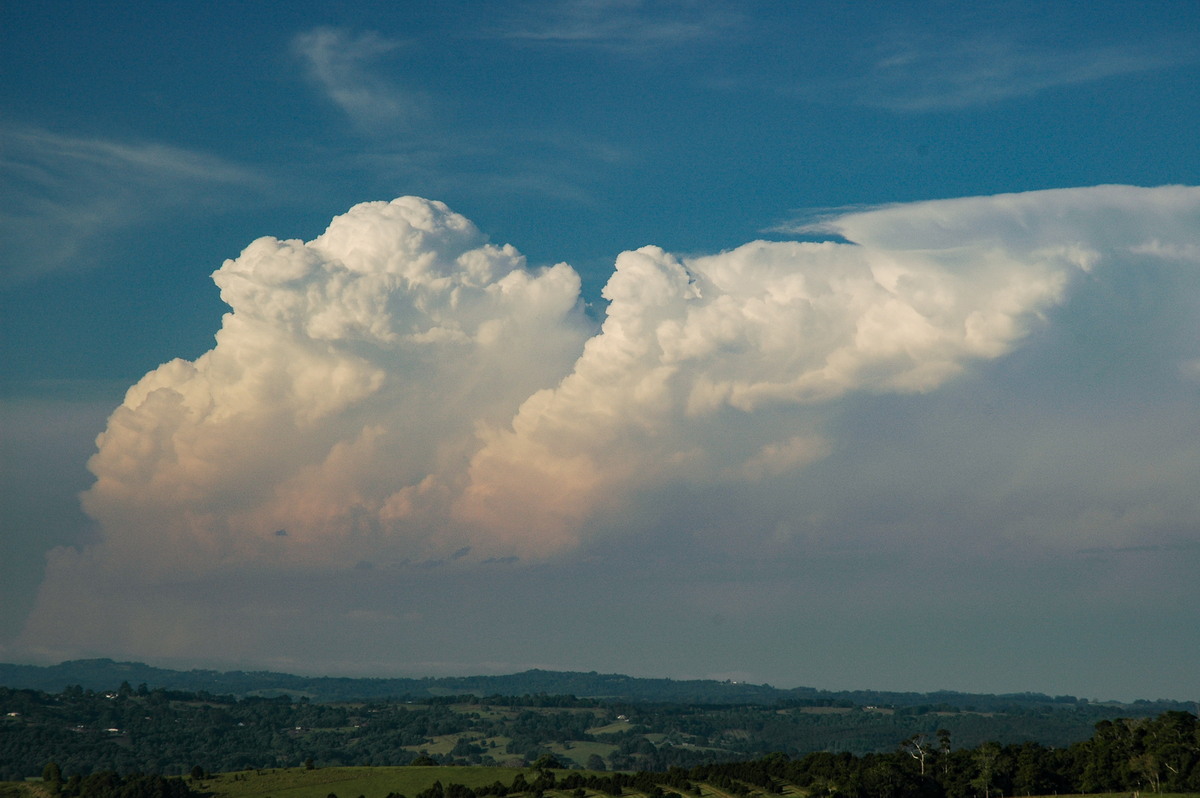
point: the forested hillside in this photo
(106, 674)
(161, 731)
(1128, 756)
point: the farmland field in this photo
(347, 782)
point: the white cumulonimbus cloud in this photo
(715, 367)
(342, 395)
(400, 390)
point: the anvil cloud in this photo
(400, 392)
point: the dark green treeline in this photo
(1152, 755)
(1134, 755)
(1128, 755)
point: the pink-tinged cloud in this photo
(346, 384)
(400, 391)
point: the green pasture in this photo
(348, 782)
(440, 744)
(579, 751)
(1142, 794)
(377, 782)
(486, 712)
(352, 782)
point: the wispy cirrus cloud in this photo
(928, 74)
(344, 65)
(624, 25)
(63, 194)
(351, 69)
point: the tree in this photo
(1034, 770)
(1147, 766)
(547, 762)
(985, 760)
(1105, 759)
(52, 775)
(943, 736)
(918, 748)
(434, 791)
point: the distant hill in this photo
(107, 674)
(93, 715)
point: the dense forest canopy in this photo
(166, 731)
(1160, 755)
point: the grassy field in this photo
(612, 728)
(347, 782)
(364, 782)
(378, 782)
(579, 752)
(1143, 794)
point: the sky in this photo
(840, 345)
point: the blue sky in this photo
(953, 446)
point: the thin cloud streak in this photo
(64, 194)
(629, 26)
(926, 76)
(149, 158)
(406, 141)
(345, 67)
